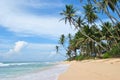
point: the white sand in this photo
(107, 69)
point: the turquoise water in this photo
(13, 69)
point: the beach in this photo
(103, 69)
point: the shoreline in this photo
(101, 69)
(46, 73)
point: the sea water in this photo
(31, 70)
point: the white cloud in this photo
(45, 3)
(19, 45)
(13, 18)
(22, 50)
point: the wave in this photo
(27, 63)
(2, 64)
(14, 64)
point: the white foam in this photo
(2, 64)
(14, 64)
(49, 74)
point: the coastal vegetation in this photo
(95, 36)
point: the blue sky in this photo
(29, 29)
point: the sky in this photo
(29, 29)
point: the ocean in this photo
(31, 70)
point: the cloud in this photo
(17, 16)
(19, 45)
(22, 50)
(45, 3)
(16, 20)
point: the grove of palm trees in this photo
(94, 37)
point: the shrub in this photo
(114, 52)
(83, 57)
(106, 55)
(80, 57)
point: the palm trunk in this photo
(99, 51)
(75, 52)
(110, 16)
(106, 12)
(108, 45)
(89, 37)
(109, 31)
(93, 40)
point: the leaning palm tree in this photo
(91, 17)
(109, 35)
(112, 4)
(103, 6)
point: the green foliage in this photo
(80, 57)
(106, 55)
(114, 52)
(62, 39)
(83, 57)
(89, 38)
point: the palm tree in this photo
(57, 49)
(109, 35)
(69, 37)
(80, 23)
(116, 31)
(83, 42)
(69, 14)
(62, 40)
(90, 13)
(73, 47)
(69, 54)
(80, 42)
